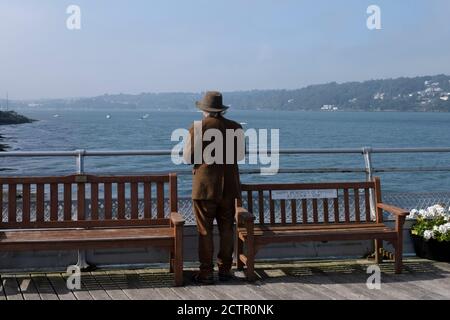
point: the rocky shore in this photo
(11, 117)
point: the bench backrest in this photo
(314, 203)
(86, 201)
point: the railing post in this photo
(81, 260)
(80, 161)
(367, 153)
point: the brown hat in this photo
(212, 102)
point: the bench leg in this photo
(239, 251)
(378, 251)
(178, 258)
(171, 262)
(399, 222)
(251, 252)
(82, 262)
(399, 256)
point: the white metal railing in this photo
(366, 152)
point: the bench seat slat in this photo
(316, 226)
(322, 233)
(86, 238)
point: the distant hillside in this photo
(428, 93)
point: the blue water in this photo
(124, 131)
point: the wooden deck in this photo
(421, 279)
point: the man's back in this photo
(220, 179)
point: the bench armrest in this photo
(243, 216)
(176, 219)
(393, 210)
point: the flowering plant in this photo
(432, 223)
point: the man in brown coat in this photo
(215, 183)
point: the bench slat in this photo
(308, 186)
(250, 201)
(294, 211)
(121, 200)
(81, 195)
(336, 210)
(283, 211)
(367, 203)
(134, 189)
(108, 200)
(12, 203)
(346, 206)
(315, 211)
(147, 200)
(261, 206)
(40, 205)
(173, 190)
(94, 201)
(160, 199)
(88, 224)
(325, 211)
(357, 209)
(305, 211)
(1, 201)
(67, 201)
(26, 203)
(271, 208)
(53, 201)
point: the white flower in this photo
(428, 234)
(443, 229)
(422, 213)
(413, 214)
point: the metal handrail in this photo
(96, 153)
(365, 151)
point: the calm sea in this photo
(126, 130)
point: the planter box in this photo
(431, 249)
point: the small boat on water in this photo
(108, 116)
(145, 116)
(56, 116)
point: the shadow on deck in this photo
(421, 279)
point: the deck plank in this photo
(342, 279)
(27, 287)
(90, 284)
(44, 287)
(11, 288)
(60, 286)
(128, 281)
(2, 292)
(110, 286)
(162, 283)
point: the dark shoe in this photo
(200, 279)
(225, 276)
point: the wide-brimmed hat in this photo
(212, 102)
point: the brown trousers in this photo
(205, 212)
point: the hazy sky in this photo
(156, 46)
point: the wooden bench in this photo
(315, 215)
(42, 214)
